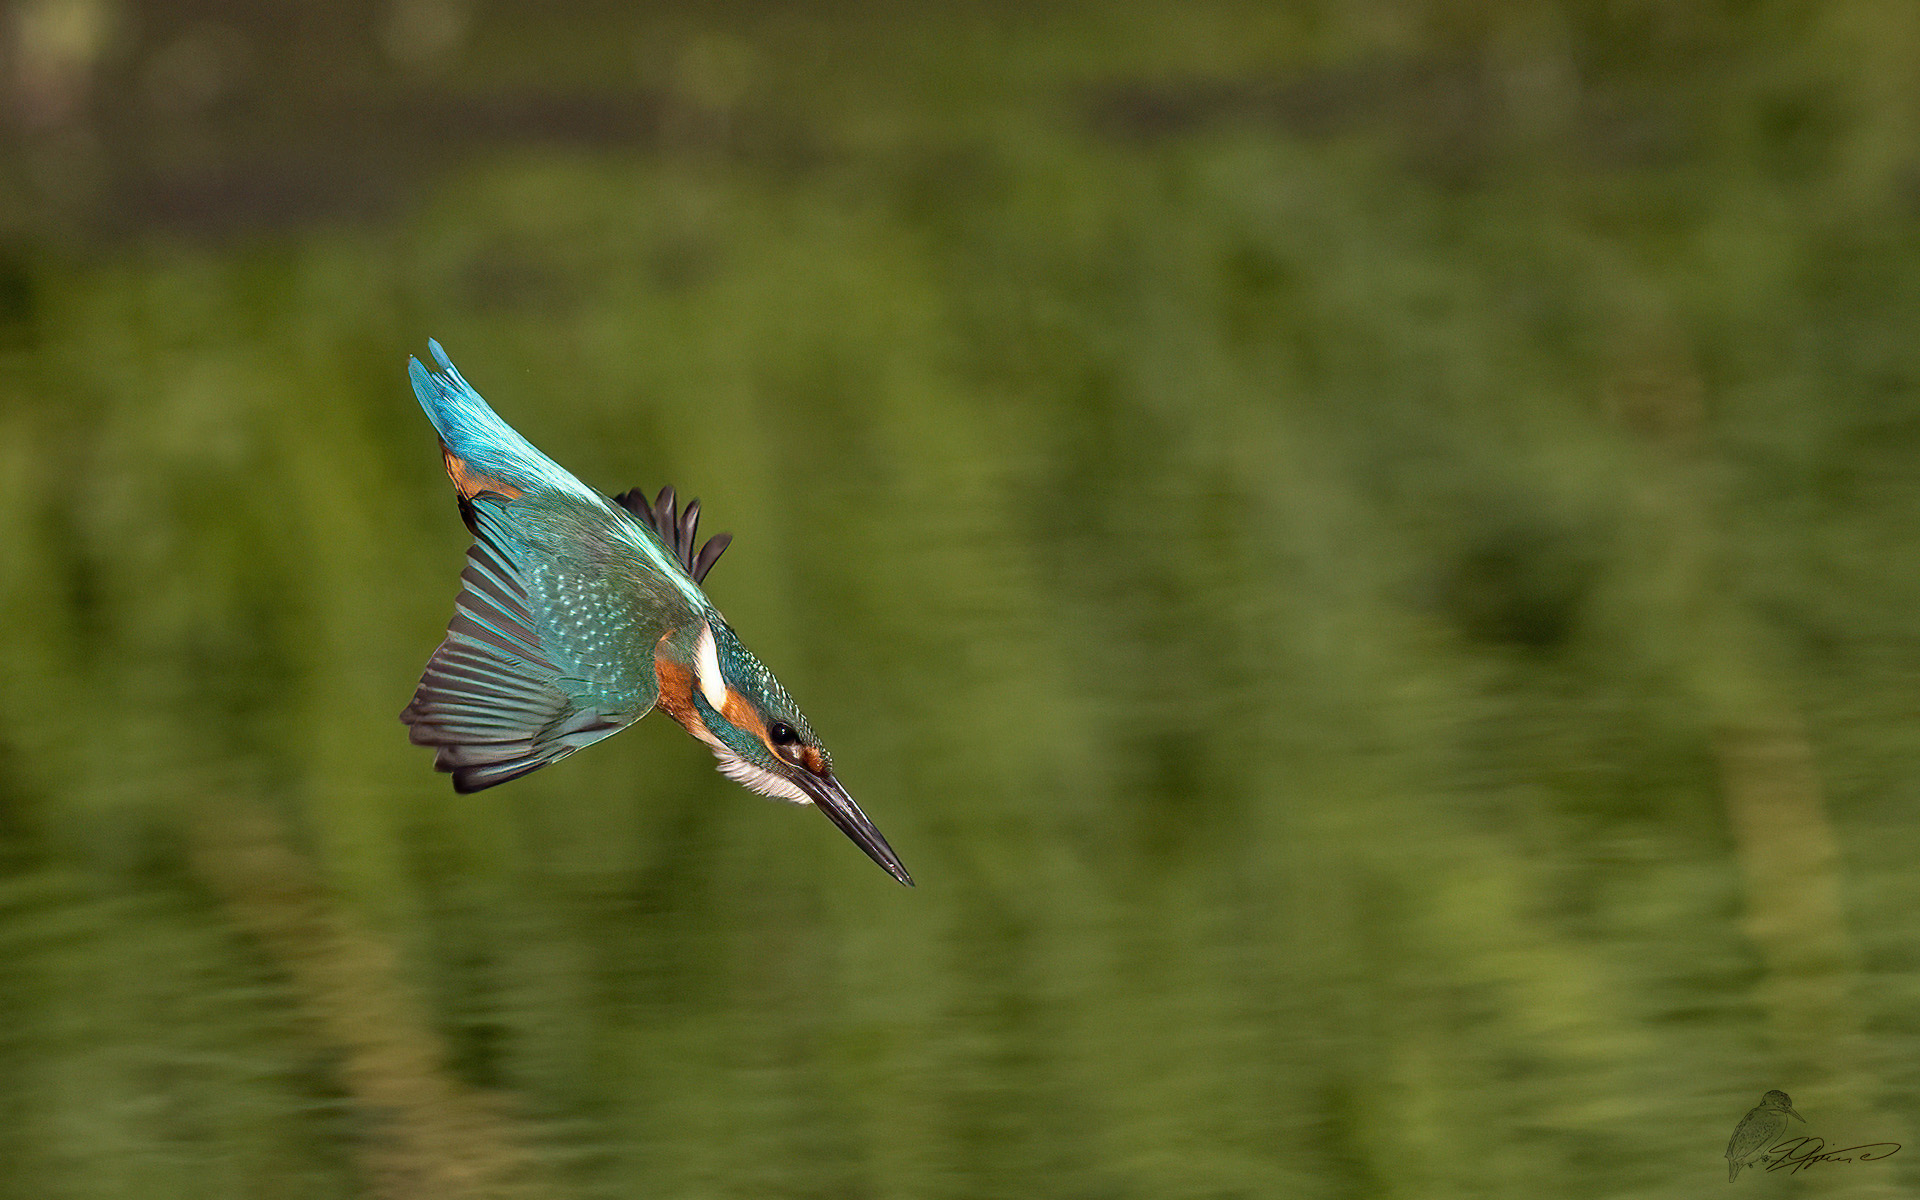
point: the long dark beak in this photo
(832, 799)
(1788, 1109)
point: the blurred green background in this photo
(1363, 554)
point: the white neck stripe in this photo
(706, 661)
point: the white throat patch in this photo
(706, 661)
(759, 779)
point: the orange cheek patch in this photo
(811, 760)
(741, 714)
(676, 697)
(676, 686)
(471, 483)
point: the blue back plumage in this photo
(490, 449)
(475, 434)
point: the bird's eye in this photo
(781, 734)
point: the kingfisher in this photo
(579, 614)
(1756, 1131)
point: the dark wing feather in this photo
(678, 532)
(490, 698)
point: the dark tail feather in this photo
(677, 531)
(710, 554)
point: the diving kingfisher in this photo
(580, 614)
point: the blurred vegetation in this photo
(1362, 554)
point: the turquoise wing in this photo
(545, 654)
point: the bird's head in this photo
(1779, 1100)
(720, 692)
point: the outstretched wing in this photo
(677, 531)
(531, 669)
